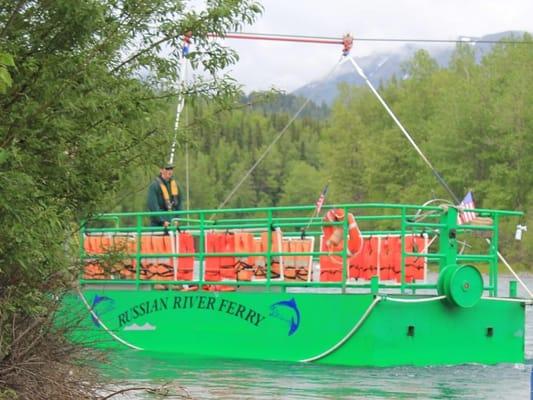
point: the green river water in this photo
(201, 378)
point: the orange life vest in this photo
(171, 199)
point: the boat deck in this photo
(277, 249)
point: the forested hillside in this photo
(88, 99)
(381, 66)
(473, 121)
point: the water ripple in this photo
(234, 379)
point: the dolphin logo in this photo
(97, 300)
(287, 311)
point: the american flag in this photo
(186, 43)
(322, 197)
(464, 217)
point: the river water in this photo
(201, 378)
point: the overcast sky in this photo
(288, 66)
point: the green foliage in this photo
(87, 115)
(225, 142)
(472, 120)
(6, 61)
(275, 102)
(86, 105)
(303, 184)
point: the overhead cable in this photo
(338, 40)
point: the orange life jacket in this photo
(169, 199)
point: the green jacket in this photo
(156, 201)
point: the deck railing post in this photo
(493, 251)
(345, 249)
(83, 254)
(201, 246)
(448, 238)
(269, 249)
(443, 220)
(374, 285)
(513, 291)
(138, 259)
(402, 258)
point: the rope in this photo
(187, 186)
(337, 40)
(427, 246)
(113, 335)
(437, 175)
(267, 150)
(179, 109)
(420, 215)
(348, 335)
(424, 300)
(404, 131)
(363, 318)
(281, 38)
(526, 301)
(500, 256)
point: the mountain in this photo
(380, 67)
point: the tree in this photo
(85, 106)
(6, 61)
(303, 185)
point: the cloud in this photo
(290, 65)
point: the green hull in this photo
(329, 328)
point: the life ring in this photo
(333, 234)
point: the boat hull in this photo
(329, 328)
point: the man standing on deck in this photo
(163, 195)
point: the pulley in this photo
(461, 284)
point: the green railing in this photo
(439, 223)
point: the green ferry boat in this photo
(396, 285)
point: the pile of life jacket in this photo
(120, 250)
(379, 256)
